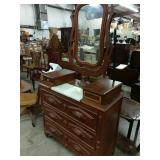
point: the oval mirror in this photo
(89, 29)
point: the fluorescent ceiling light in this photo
(130, 6)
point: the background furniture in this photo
(36, 57)
(28, 101)
(53, 56)
(135, 60)
(65, 38)
(130, 111)
(128, 76)
(120, 54)
(135, 92)
(25, 86)
(54, 49)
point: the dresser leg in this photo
(47, 134)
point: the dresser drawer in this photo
(67, 138)
(84, 134)
(54, 131)
(85, 116)
(51, 113)
(78, 112)
(53, 101)
(78, 148)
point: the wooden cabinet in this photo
(85, 127)
(53, 56)
(65, 37)
(120, 54)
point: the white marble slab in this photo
(69, 90)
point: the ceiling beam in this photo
(61, 8)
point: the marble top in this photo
(69, 90)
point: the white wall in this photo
(82, 21)
(58, 18)
(27, 14)
(94, 24)
(27, 17)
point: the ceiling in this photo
(123, 10)
(127, 11)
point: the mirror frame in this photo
(102, 36)
(105, 46)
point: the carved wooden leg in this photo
(136, 133)
(138, 148)
(32, 116)
(27, 72)
(130, 128)
(33, 84)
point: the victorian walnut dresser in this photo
(87, 125)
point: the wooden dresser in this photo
(86, 127)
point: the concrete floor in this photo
(33, 141)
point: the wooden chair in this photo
(34, 68)
(120, 54)
(36, 57)
(135, 92)
(130, 111)
(29, 102)
(135, 60)
(25, 87)
(25, 56)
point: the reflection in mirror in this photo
(64, 57)
(89, 26)
(122, 31)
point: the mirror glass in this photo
(89, 26)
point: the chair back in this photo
(135, 60)
(36, 58)
(135, 92)
(120, 54)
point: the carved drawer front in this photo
(50, 113)
(79, 148)
(52, 100)
(83, 134)
(53, 130)
(84, 116)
